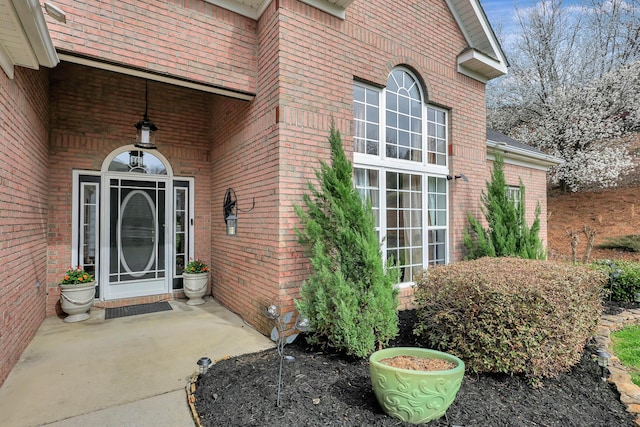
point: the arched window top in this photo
(400, 81)
(131, 159)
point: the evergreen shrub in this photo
(349, 299)
(507, 233)
(510, 315)
(624, 278)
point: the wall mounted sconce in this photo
(146, 130)
(457, 177)
(230, 211)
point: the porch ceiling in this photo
(24, 37)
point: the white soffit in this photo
(483, 59)
(255, 8)
(24, 36)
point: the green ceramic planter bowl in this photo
(414, 396)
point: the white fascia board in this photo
(327, 7)
(479, 66)
(35, 27)
(6, 63)
(241, 9)
(520, 157)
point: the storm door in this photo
(137, 237)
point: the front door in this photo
(136, 241)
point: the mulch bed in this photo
(324, 389)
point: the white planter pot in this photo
(77, 300)
(195, 286)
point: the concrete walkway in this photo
(130, 371)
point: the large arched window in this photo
(400, 165)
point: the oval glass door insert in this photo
(137, 231)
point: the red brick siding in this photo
(321, 56)
(93, 112)
(245, 157)
(192, 39)
(535, 185)
(23, 210)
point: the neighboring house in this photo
(243, 94)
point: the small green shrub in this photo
(510, 315)
(624, 278)
(349, 299)
(629, 243)
(507, 234)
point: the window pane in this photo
(404, 117)
(358, 93)
(365, 120)
(437, 136)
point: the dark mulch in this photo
(321, 389)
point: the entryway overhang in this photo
(24, 37)
(164, 78)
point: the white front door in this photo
(133, 224)
(136, 237)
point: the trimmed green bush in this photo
(510, 315)
(624, 278)
(349, 299)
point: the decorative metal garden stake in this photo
(280, 337)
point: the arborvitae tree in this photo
(508, 233)
(349, 299)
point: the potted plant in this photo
(77, 291)
(415, 385)
(195, 278)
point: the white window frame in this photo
(383, 165)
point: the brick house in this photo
(243, 94)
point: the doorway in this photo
(133, 224)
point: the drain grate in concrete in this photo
(132, 310)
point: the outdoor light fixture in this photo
(146, 130)
(457, 177)
(603, 362)
(203, 365)
(55, 12)
(302, 324)
(230, 211)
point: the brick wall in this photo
(192, 39)
(245, 157)
(535, 185)
(23, 210)
(93, 112)
(322, 55)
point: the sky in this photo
(502, 14)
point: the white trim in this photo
(75, 207)
(35, 26)
(521, 157)
(115, 153)
(242, 8)
(6, 63)
(479, 66)
(156, 77)
(325, 6)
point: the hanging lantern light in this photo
(146, 130)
